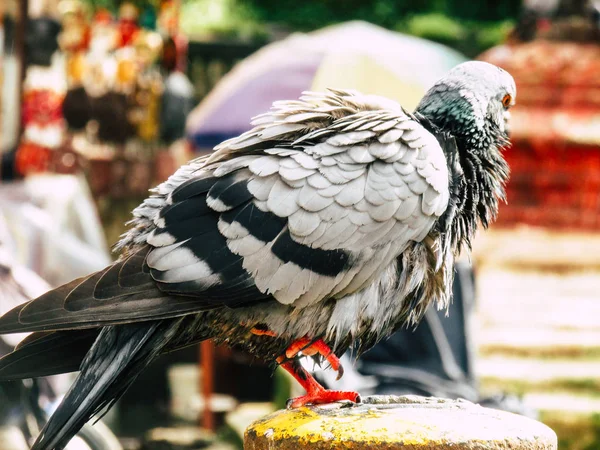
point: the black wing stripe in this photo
(264, 226)
(230, 192)
(324, 262)
(192, 187)
(238, 293)
(194, 226)
(186, 209)
(202, 247)
(226, 264)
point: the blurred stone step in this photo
(544, 343)
(537, 248)
(533, 300)
(582, 387)
(563, 403)
(542, 382)
(536, 370)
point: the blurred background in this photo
(103, 99)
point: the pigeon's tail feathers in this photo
(47, 353)
(116, 358)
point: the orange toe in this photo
(322, 397)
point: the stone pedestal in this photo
(392, 422)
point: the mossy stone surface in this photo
(392, 422)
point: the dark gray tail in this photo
(47, 353)
(116, 358)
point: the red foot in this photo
(315, 393)
(323, 396)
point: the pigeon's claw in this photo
(315, 393)
(340, 371)
(310, 348)
(301, 345)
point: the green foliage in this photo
(482, 10)
(113, 5)
(493, 33)
(283, 389)
(574, 431)
(313, 14)
(469, 37)
(470, 27)
(221, 18)
(596, 433)
(434, 26)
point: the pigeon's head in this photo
(472, 103)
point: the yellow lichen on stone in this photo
(416, 424)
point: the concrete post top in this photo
(398, 422)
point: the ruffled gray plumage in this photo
(337, 217)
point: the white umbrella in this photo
(355, 55)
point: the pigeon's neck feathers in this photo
(459, 112)
(478, 170)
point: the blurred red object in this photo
(174, 53)
(128, 24)
(42, 107)
(32, 158)
(555, 131)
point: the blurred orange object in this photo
(103, 16)
(75, 68)
(32, 158)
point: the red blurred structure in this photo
(555, 130)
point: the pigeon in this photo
(332, 223)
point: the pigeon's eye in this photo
(506, 101)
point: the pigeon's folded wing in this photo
(311, 204)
